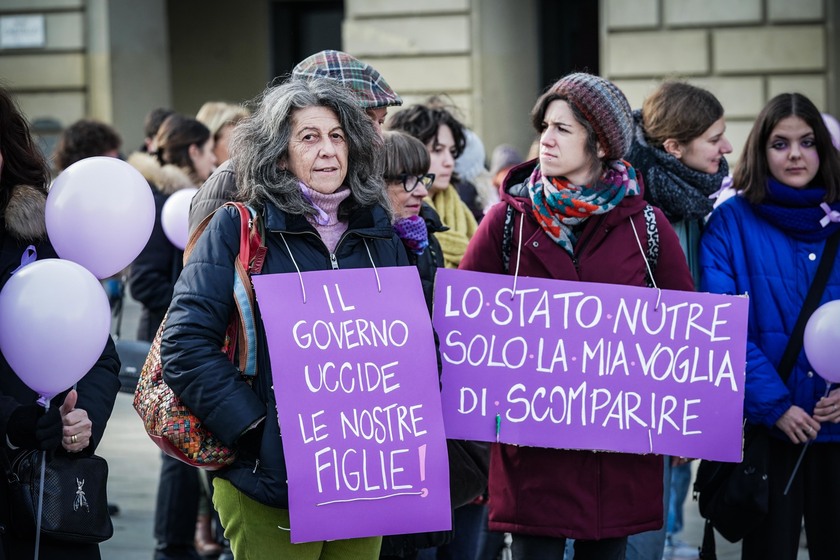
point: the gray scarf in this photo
(681, 192)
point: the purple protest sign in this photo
(355, 378)
(577, 365)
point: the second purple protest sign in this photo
(591, 366)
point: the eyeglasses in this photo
(410, 182)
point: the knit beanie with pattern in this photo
(604, 106)
(368, 85)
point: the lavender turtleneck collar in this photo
(326, 221)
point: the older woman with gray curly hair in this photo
(308, 161)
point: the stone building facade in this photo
(745, 52)
(116, 59)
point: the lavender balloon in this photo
(54, 324)
(833, 126)
(100, 213)
(822, 341)
(175, 217)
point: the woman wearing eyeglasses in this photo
(417, 224)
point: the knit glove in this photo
(29, 427)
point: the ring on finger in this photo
(74, 439)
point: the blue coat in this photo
(741, 253)
(202, 376)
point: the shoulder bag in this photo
(168, 421)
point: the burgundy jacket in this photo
(568, 493)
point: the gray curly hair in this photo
(261, 141)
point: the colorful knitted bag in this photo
(168, 421)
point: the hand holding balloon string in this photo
(821, 341)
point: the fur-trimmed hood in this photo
(167, 179)
(24, 214)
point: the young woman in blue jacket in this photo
(767, 242)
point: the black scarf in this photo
(681, 192)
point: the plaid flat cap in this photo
(369, 86)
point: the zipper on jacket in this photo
(345, 235)
(584, 242)
(332, 255)
(256, 466)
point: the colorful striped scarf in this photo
(559, 206)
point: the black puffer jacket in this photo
(469, 461)
(201, 375)
(431, 258)
(219, 188)
(22, 224)
(154, 271)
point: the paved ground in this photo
(132, 483)
(135, 463)
(134, 467)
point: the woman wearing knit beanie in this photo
(573, 214)
(445, 139)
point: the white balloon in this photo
(54, 324)
(100, 213)
(175, 217)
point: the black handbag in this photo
(469, 467)
(75, 506)
(734, 497)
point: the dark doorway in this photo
(568, 38)
(301, 28)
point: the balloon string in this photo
(802, 453)
(41, 493)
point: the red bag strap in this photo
(250, 260)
